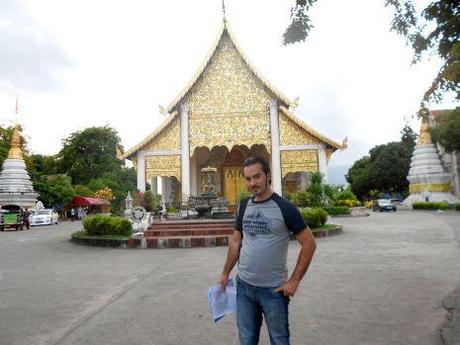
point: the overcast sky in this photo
(86, 63)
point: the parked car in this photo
(44, 216)
(384, 205)
(13, 217)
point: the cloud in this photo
(31, 57)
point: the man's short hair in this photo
(254, 160)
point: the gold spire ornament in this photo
(425, 136)
(15, 150)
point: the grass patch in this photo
(84, 234)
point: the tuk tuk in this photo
(13, 217)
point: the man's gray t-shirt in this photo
(266, 227)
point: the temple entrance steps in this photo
(188, 233)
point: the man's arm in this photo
(232, 257)
(308, 246)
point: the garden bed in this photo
(112, 241)
(327, 230)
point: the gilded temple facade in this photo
(226, 113)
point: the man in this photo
(260, 243)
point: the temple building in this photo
(226, 113)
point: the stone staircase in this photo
(185, 234)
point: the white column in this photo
(141, 171)
(185, 152)
(164, 188)
(160, 185)
(153, 185)
(275, 143)
(322, 161)
(193, 174)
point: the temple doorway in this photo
(233, 178)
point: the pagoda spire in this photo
(15, 151)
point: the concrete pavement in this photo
(382, 282)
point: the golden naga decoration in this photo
(15, 150)
(425, 136)
(295, 103)
(163, 110)
(344, 144)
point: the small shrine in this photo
(429, 181)
(15, 184)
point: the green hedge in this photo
(443, 205)
(100, 225)
(457, 207)
(314, 217)
(337, 210)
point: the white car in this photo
(44, 217)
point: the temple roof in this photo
(172, 110)
(226, 29)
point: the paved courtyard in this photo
(381, 282)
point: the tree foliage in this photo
(447, 131)
(385, 168)
(434, 29)
(90, 153)
(55, 191)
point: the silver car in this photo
(44, 217)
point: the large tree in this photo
(386, 167)
(434, 29)
(447, 130)
(90, 153)
(55, 191)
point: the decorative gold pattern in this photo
(293, 134)
(228, 105)
(429, 187)
(167, 139)
(226, 32)
(425, 136)
(299, 161)
(162, 166)
(15, 150)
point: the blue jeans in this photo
(254, 302)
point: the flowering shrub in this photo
(347, 203)
(105, 194)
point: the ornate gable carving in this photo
(293, 134)
(167, 139)
(228, 104)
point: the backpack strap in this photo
(241, 210)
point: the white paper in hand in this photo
(222, 302)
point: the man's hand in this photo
(288, 289)
(223, 280)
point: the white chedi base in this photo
(430, 197)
